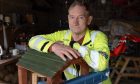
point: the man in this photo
(77, 41)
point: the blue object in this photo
(91, 78)
(42, 82)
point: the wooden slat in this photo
(34, 78)
(22, 75)
(36, 68)
(49, 64)
(45, 60)
(49, 55)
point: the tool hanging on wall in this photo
(4, 22)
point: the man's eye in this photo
(81, 17)
(71, 17)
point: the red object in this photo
(134, 38)
(121, 48)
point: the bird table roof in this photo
(46, 64)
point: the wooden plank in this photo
(34, 78)
(36, 68)
(47, 65)
(22, 75)
(45, 60)
(49, 55)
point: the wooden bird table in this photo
(47, 65)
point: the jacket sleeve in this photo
(97, 57)
(43, 42)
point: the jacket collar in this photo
(86, 38)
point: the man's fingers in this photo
(63, 57)
(74, 53)
(68, 55)
(77, 53)
(65, 52)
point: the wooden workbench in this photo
(13, 59)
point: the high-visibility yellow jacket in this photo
(94, 49)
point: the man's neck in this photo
(77, 37)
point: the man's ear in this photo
(90, 19)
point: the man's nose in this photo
(76, 21)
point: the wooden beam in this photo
(22, 75)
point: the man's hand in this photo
(64, 52)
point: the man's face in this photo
(78, 19)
